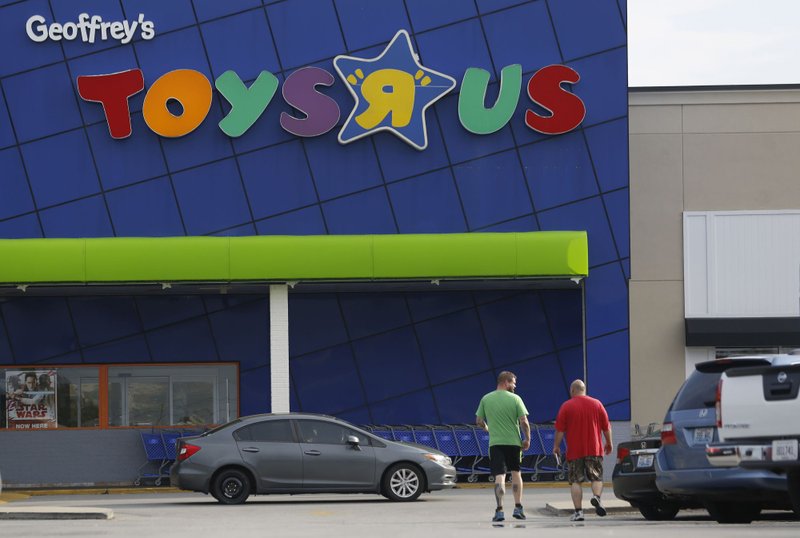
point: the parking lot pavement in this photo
(457, 513)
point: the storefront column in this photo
(279, 347)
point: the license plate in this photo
(645, 460)
(784, 450)
(703, 435)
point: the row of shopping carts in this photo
(468, 447)
(160, 448)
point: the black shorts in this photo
(505, 458)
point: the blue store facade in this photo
(371, 354)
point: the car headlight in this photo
(438, 458)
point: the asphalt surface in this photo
(457, 513)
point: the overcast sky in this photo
(713, 42)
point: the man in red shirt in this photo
(583, 419)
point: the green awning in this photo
(526, 255)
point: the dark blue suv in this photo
(731, 495)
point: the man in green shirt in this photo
(501, 413)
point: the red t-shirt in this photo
(583, 418)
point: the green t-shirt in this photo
(501, 410)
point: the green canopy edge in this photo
(561, 254)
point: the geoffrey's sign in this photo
(391, 92)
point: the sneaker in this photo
(598, 506)
(577, 516)
(499, 516)
(518, 513)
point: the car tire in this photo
(662, 511)
(732, 512)
(793, 482)
(403, 482)
(231, 487)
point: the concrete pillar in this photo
(279, 347)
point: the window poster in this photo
(31, 399)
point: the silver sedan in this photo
(305, 453)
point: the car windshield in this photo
(698, 392)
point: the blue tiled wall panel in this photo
(212, 9)
(457, 401)
(254, 391)
(27, 53)
(366, 314)
(240, 43)
(131, 350)
(455, 48)
(66, 11)
(5, 350)
(319, 375)
(493, 189)
(306, 221)
(406, 409)
(304, 38)
(559, 170)
(316, 321)
(453, 346)
(55, 110)
(98, 319)
(366, 23)
(428, 204)
(391, 356)
(16, 198)
(81, 218)
(427, 14)
(45, 173)
(39, 328)
(609, 374)
(206, 207)
(606, 301)
(577, 21)
(374, 214)
(505, 320)
(122, 162)
(64, 176)
(542, 386)
(155, 197)
(185, 341)
(277, 179)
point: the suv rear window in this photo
(698, 391)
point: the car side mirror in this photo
(353, 441)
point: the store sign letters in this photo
(391, 91)
(88, 28)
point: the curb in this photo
(612, 506)
(55, 512)
(25, 493)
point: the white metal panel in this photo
(752, 263)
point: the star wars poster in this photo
(31, 399)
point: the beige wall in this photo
(694, 151)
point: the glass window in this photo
(47, 398)
(328, 433)
(171, 395)
(268, 431)
(160, 395)
(698, 392)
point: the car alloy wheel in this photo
(403, 482)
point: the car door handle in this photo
(312, 453)
(250, 449)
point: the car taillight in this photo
(622, 453)
(718, 403)
(187, 451)
(668, 434)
